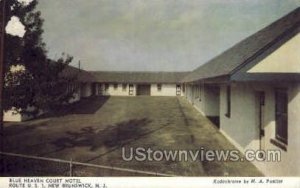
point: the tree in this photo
(38, 81)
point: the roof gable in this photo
(242, 53)
(286, 59)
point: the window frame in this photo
(282, 112)
(159, 87)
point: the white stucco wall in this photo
(242, 128)
(166, 90)
(111, 91)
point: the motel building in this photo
(138, 83)
(251, 92)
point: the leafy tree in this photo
(41, 82)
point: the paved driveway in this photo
(95, 130)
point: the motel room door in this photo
(178, 90)
(260, 108)
(131, 88)
(143, 89)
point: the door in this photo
(178, 90)
(260, 104)
(130, 89)
(143, 89)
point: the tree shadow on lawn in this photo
(113, 137)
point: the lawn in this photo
(95, 129)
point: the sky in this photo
(152, 35)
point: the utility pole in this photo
(2, 37)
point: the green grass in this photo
(94, 131)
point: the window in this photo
(115, 86)
(106, 87)
(228, 98)
(281, 115)
(124, 87)
(158, 87)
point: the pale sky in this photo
(152, 35)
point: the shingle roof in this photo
(138, 77)
(235, 57)
(123, 76)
